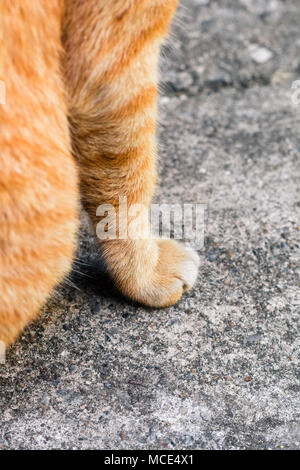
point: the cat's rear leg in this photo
(112, 49)
(38, 181)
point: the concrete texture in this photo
(220, 370)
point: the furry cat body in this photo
(79, 123)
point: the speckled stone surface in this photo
(220, 370)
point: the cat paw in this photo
(154, 274)
(176, 273)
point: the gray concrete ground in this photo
(220, 370)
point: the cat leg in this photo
(38, 178)
(112, 49)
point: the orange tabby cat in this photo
(79, 121)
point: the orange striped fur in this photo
(79, 122)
